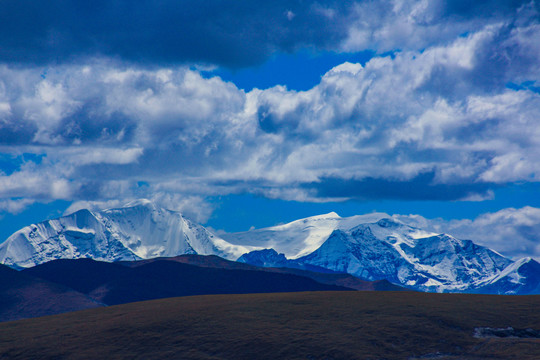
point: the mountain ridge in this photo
(372, 247)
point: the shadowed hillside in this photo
(327, 277)
(113, 284)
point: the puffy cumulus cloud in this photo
(36, 182)
(449, 122)
(403, 117)
(512, 232)
(105, 102)
(231, 33)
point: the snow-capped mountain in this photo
(304, 236)
(377, 247)
(140, 230)
(372, 247)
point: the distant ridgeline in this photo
(370, 247)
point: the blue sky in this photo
(243, 113)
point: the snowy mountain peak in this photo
(330, 215)
(304, 236)
(294, 239)
(138, 231)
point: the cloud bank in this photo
(430, 118)
(111, 105)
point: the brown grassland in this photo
(310, 325)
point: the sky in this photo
(248, 114)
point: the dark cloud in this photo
(234, 33)
(422, 187)
(88, 125)
(504, 57)
(14, 133)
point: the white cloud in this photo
(33, 182)
(110, 155)
(105, 127)
(15, 206)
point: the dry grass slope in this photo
(311, 325)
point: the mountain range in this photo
(370, 247)
(377, 246)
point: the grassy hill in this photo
(309, 325)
